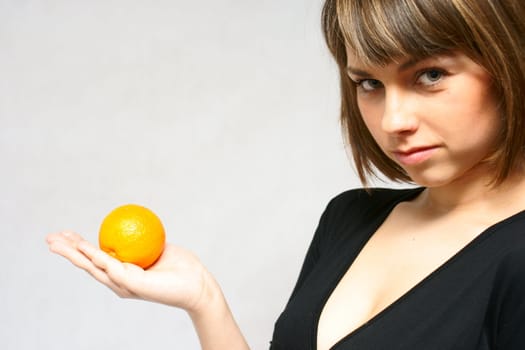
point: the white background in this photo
(221, 116)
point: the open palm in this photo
(178, 278)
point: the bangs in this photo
(380, 31)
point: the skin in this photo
(430, 106)
(438, 119)
(177, 279)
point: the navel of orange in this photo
(134, 234)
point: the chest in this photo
(430, 292)
(450, 309)
(395, 260)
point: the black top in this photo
(474, 301)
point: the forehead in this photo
(403, 62)
(357, 62)
(380, 31)
(455, 63)
(353, 60)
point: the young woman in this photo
(433, 93)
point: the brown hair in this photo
(491, 32)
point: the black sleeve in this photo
(334, 216)
(314, 250)
(352, 208)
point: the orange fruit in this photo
(133, 234)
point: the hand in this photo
(178, 278)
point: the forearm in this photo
(216, 327)
(213, 319)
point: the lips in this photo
(415, 155)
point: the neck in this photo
(476, 193)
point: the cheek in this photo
(475, 115)
(371, 113)
(475, 106)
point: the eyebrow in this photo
(403, 67)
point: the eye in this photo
(369, 85)
(430, 76)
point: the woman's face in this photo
(437, 118)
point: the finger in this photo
(82, 253)
(64, 236)
(66, 244)
(118, 273)
(101, 259)
(67, 250)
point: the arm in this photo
(177, 279)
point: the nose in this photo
(399, 115)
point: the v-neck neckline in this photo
(402, 298)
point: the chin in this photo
(432, 180)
